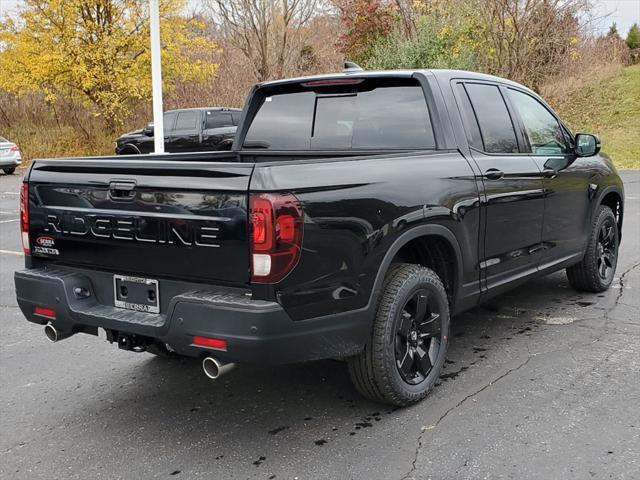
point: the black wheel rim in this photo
(607, 250)
(418, 337)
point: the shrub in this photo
(438, 42)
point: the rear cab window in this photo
(351, 114)
(217, 119)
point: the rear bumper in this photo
(256, 331)
(10, 162)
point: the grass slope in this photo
(609, 108)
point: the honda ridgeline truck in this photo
(355, 214)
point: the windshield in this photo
(368, 114)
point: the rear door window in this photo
(369, 115)
(469, 118)
(187, 122)
(496, 127)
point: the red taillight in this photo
(276, 235)
(216, 343)
(24, 218)
(261, 224)
(45, 312)
(14, 148)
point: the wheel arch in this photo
(413, 237)
(129, 149)
(613, 198)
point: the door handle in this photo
(122, 190)
(549, 173)
(494, 174)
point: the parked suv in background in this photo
(354, 216)
(186, 130)
(10, 156)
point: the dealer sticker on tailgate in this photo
(134, 293)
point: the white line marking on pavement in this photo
(11, 193)
(12, 220)
(12, 252)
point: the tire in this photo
(128, 151)
(598, 267)
(412, 316)
(9, 171)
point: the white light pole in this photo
(156, 77)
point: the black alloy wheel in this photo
(595, 272)
(417, 341)
(607, 250)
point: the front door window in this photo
(543, 130)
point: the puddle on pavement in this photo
(557, 320)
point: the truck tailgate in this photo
(151, 218)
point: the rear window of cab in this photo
(363, 114)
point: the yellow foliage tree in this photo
(98, 52)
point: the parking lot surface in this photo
(542, 382)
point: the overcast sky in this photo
(624, 12)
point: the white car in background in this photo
(10, 156)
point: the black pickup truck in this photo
(356, 213)
(186, 130)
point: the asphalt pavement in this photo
(543, 382)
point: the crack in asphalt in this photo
(621, 281)
(605, 329)
(459, 404)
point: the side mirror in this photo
(148, 130)
(587, 145)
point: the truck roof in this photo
(441, 74)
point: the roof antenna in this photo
(351, 67)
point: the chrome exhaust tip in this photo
(51, 332)
(214, 368)
(55, 335)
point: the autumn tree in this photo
(531, 40)
(364, 22)
(265, 31)
(444, 35)
(97, 52)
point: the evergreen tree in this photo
(633, 37)
(613, 31)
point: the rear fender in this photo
(416, 232)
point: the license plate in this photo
(134, 293)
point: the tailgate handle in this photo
(119, 190)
